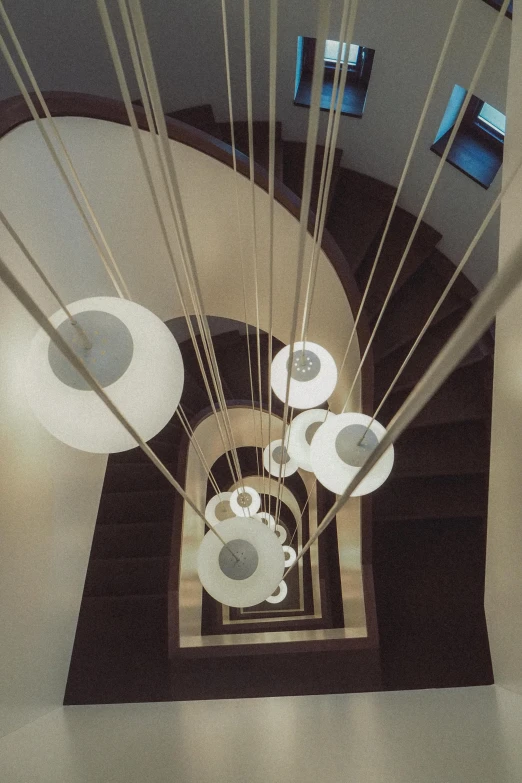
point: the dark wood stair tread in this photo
(294, 153)
(456, 448)
(431, 344)
(140, 506)
(135, 477)
(131, 540)
(411, 307)
(260, 140)
(431, 497)
(354, 224)
(462, 397)
(127, 576)
(201, 117)
(394, 246)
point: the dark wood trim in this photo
(497, 6)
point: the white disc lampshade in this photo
(218, 508)
(290, 555)
(245, 502)
(267, 519)
(248, 576)
(337, 455)
(300, 433)
(133, 356)
(276, 458)
(279, 594)
(313, 375)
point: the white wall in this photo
(504, 574)
(448, 736)
(66, 47)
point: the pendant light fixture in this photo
(267, 519)
(218, 508)
(276, 459)
(313, 375)
(341, 446)
(300, 433)
(248, 570)
(279, 595)
(245, 502)
(132, 355)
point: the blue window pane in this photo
(331, 52)
(493, 117)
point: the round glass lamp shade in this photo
(245, 502)
(300, 433)
(274, 456)
(218, 508)
(133, 355)
(248, 576)
(267, 519)
(279, 595)
(337, 455)
(313, 375)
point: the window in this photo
(360, 61)
(492, 120)
(331, 53)
(478, 146)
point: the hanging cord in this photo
(178, 215)
(32, 308)
(479, 318)
(248, 75)
(271, 202)
(311, 141)
(332, 132)
(102, 8)
(197, 447)
(456, 273)
(87, 344)
(405, 170)
(97, 237)
(469, 94)
(240, 233)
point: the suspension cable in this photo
(148, 175)
(236, 190)
(478, 319)
(311, 141)
(97, 236)
(178, 215)
(35, 311)
(469, 94)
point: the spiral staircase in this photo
(429, 519)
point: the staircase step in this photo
(431, 344)
(165, 450)
(432, 497)
(410, 308)
(135, 477)
(294, 153)
(133, 540)
(462, 286)
(394, 246)
(443, 450)
(127, 576)
(120, 651)
(261, 142)
(354, 223)
(429, 586)
(136, 507)
(461, 398)
(201, 117)
(352, 183)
